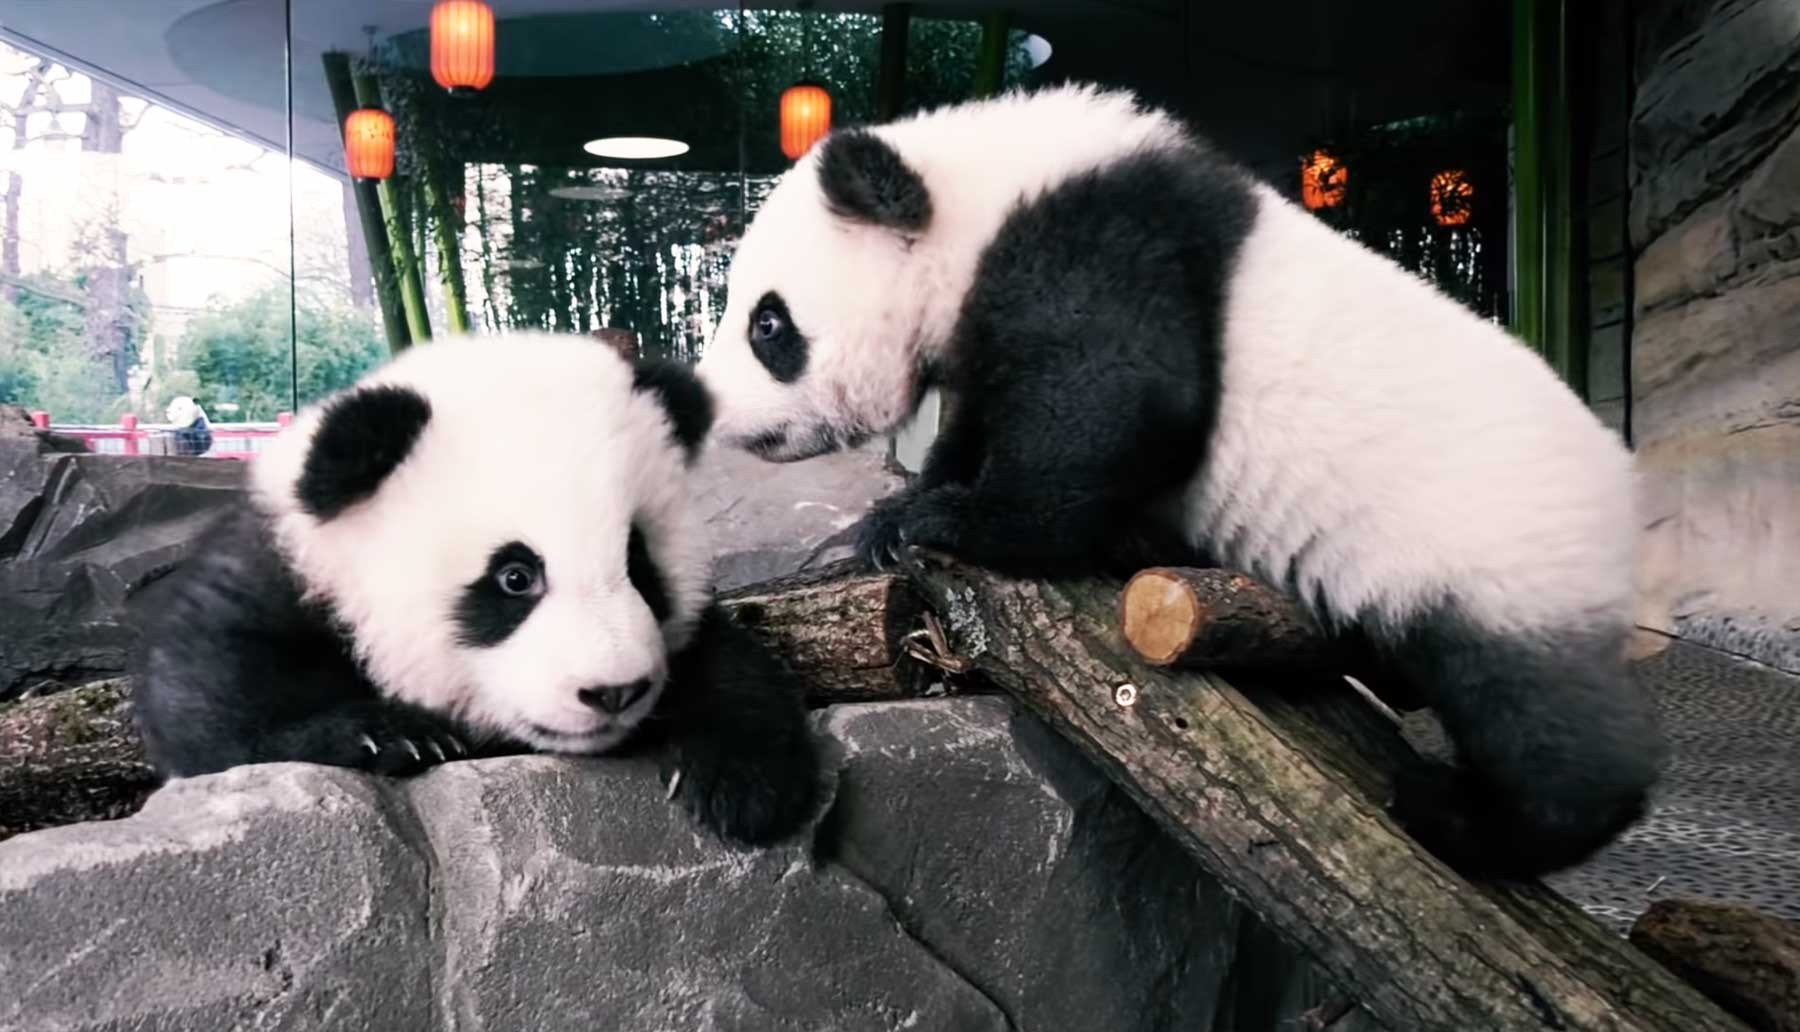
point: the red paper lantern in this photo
(805, 117)
(462, 45)
(1323, 180)
(369, 144)
(1452, 198)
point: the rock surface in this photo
(77, 532)
(972, 872)
(1715, 224)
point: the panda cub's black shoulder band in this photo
(681, 394)
(362, 437)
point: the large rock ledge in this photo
(972, 872)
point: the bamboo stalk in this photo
(368, 212)
(399, 239)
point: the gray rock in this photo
(80, 532)
(768, 519)
(972, 872)
(629, 918)
(276, 897)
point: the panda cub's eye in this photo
(767, 326)
(517, 579)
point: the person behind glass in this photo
(192, 434)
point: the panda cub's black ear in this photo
(681, 395)
(865, 179)
(362, 437)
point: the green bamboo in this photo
(1528, 207)
(990, 60)
(368, 212)
(399, 238)
(449, 245)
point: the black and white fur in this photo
(1149, 356)
(411, 579)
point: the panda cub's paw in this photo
(751, 794)
(378, 737)
(926, 519)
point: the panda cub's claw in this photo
(747, 796)
(881, 534)
(378, 737)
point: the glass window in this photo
(146, 243)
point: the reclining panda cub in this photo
(411, 580)
(1151, 357)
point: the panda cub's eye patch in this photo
(775, 341)
(492, 606)
(645, 577)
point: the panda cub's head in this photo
(847, 287)
(818, 347)
(502, 528)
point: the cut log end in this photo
(1160, 615)
(1205, 618)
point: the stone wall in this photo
(972, 872)
(1715, 347)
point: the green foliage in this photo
(241, 353)
(45, 360)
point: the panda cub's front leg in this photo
(742, 760)
(894, 522)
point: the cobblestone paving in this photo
(1725, 824)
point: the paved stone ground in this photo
(1726, 823)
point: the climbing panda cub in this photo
(415, 576)
(1149, 356)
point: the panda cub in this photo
(1143, 346)
(411, 579)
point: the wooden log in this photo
(844, 633)
(1747, 962)
(1212, 619)
(1279, 794)
(1220, 619)
(68, 757)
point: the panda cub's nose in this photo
(614, 698)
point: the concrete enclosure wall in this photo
(1715, 347)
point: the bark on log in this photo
(1748, 962)
(842, 632)
(1277, 794)
(73, 756)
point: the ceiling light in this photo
(635, 147)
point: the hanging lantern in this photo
(462, 45)
(1452, 198)
(1322, 180)
(805, 117)
(369, 144)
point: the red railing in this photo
(239, 441)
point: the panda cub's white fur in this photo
(487, 545)
(1151, 357)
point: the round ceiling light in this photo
(635, 147)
